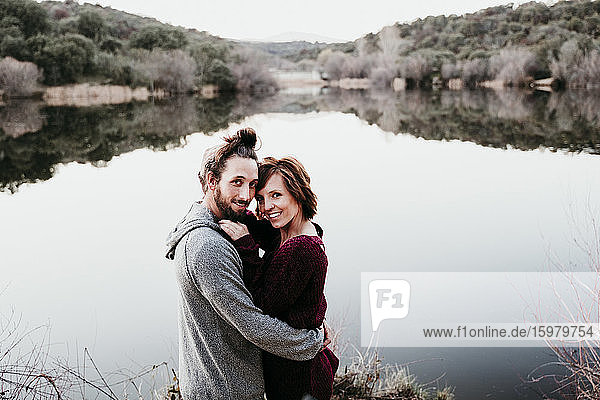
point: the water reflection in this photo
(20, 117)
(34, 138)
(96, 134)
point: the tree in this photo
(152, 36)
(219, 74)
(416, 68)
(474, 71)
(63, 59)
(172, 71)
(92, 25)
(513, 66)
(32, 17)
(18, 78)
(205, 54)
(14, 46)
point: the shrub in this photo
(451, 71)
(333, 64)
(381, 77)
(176, 70)
(251, 74)
(172, 71)
(416, 68)
(64, 58)
(18, 78)
(152, 36)
(513, 66)
(118, 69)
(59, 12)
(474, 71)
(111, 45)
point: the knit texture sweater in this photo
(288, 283)
(221, 331)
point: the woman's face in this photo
(276, 203)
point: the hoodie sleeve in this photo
(215, 268)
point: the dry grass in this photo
(367, 379)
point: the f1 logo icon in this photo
(389, 299)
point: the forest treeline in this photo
(511, 45)
(59, 43)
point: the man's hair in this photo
(242, 144)
(295, 178)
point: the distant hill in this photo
(302, 37)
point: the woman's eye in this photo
(276, 195)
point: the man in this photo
(221, 332)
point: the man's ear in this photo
(211, 181)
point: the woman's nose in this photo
(268, 205)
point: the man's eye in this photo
(237, 182)
(259, 199)
(252, 185)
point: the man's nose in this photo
(245, 193)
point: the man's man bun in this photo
(241, 144)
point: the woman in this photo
(287, 282)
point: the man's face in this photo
(235, 190)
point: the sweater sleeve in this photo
(214, 269)
(262, 232)
(289, 273)
(251, 260)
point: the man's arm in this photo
(214, 267)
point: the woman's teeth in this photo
(274, 215)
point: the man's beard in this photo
(225, 209)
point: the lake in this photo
(411, 181)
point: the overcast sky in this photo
(260, 19)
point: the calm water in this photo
(468, 181)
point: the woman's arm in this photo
(299, 261)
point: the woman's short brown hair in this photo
(295, 178)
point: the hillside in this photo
(66, 42)
(510, 44)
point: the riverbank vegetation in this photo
(507, 45)
(511, 45)
(73, 43)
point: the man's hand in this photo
(235, 230)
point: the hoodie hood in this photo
(198, 216)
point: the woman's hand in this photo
(235, 230)
(326, 333)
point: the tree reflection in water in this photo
(35, 138)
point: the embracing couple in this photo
(250, 322)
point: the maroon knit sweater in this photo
(287, 283)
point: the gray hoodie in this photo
(221, 332)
